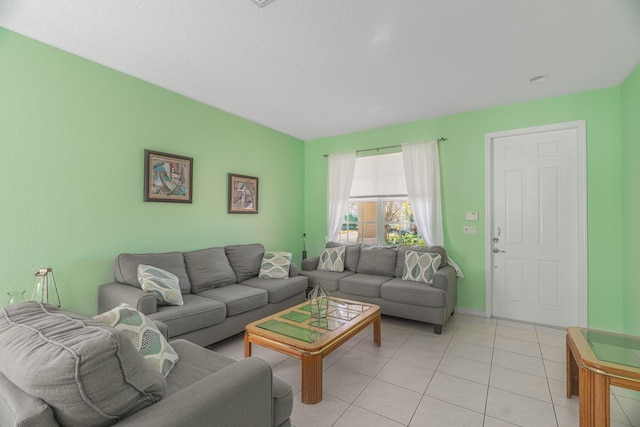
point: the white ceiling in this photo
(316, 68)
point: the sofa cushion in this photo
(125, 267)
(377, 260)
(162, 284)
(238, 298)
(351, 254)
(366, 285)
(329, 279)
(332, 259)
(275, 265)
(431, 249)
(245, 260)
(208, 268)
(420, 266)
(144, 334)
(196, 313)
(414, 293)
(89, 373)
(279, 289)
(197, 362)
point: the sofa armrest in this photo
(113, 294)
(237, 395)
(310, 264)
(444, 278)
(293, 269)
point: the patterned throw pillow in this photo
(275, 265)
(420, 266)
(164, 285)
(332, 259)
(144, 334)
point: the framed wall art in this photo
(167, 177)
(243, 194)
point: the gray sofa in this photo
(59, 368)
(373, 274)
(220, 287)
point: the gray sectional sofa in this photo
(374, 274)
(58, 368)
(220, 287)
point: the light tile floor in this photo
(479, 372)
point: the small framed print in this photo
(243, 194)
(167, 177)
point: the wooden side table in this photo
(595, 361)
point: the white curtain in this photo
(422, 173)
(341, 168)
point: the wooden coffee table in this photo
(295, 333)
(595, 361)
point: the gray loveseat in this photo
(59, 368)
(373, 274)
(220, 287)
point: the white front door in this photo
(536, 225)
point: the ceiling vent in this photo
(261, 3)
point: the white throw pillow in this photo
(144, 334)
(332, 259)
(275, 265)
(164, 285)
(420, 266)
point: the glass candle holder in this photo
(319, 302)
(15, 297)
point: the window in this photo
(379, 211)
(380, 221)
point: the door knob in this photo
(496, 250)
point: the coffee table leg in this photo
(247, 345)
(311, 378)
(377, 331)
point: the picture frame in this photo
(167, 177)
(243, 194)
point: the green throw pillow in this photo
(332, 259)
(420, 266)
(275, 265)
(144, 334)
(164, 285)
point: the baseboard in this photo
(470, 312)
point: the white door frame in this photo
(580, 126)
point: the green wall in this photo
(72, 137)
(463, 187)
(631, 186)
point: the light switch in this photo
(472, 216)
(470, 229)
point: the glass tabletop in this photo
(614, 348)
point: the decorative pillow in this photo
(89, 373)
(144, 334)
(275, 265)
(164, 285)
(420, 266)
(332, 259)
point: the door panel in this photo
(536, 236)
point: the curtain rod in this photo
(383, 148)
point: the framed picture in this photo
(243, 194)
(167, 177)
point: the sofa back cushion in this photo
(208, 268)
(89, 374)
(351, 254)
(402, 250)
(245, 260)
(377, 260)
(125, 267)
